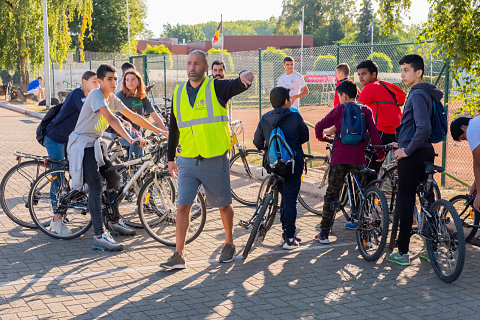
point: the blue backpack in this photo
(281, 157)
(353, 124)
(439, 122)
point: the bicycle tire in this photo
(78, 221)
(256, 225)
(246, 175)
(395, 225)
(314, 183)
(455, 240)
(467, 215)
(272, 209)
(373, 226)
(15, 188)
(157, 211)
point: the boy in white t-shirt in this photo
(464, 128)
(294, 82)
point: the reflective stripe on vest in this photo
(208, 101)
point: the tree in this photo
(325, 63)
(454, 29)
(109, 32)
(364, 20)
(383, 61)
(21, 35)
(318, 13)
(183, 32)
(216, 54)
(160, 50)
(240, 27)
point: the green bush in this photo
(383, 61)
(216, 54)
(160, 50)
(325, 63)
(273, 57)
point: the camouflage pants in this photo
(336, 179)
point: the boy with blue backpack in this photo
(281, 134)
(351, 121)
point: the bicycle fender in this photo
(374, 182)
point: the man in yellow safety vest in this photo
(199, 121)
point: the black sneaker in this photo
(282, 241)
(322, 237)
(175, 262)
(227, 253)
(289, 245)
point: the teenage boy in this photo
(345, 158)
(464, 128)
(294, 82)
(414, 147)
(296, 134)
(342, 71)
(87, 160)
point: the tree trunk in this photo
(24, 78)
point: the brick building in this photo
(232, 43)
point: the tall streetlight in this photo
(46, 56)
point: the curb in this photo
(30, 113)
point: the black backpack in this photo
(47, 118)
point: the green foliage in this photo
(160, 50)
(183, 31)
(216, 54)
(273, 54)
(383, 61)
(325, 63)
(363, 22)
(319, 15)
(455, 29)
(21, 35)
(272, 62)
(240, 27)
(109, 31)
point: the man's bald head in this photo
(199, 53)
(196, 66)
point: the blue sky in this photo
(161, 12)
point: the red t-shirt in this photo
(336, 101)
(389, 115)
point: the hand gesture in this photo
(247, 78)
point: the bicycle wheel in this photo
(372, 231)
(246, 175)
(49, 194)
(158, 211)
(314, 184)
(264, 216)
(445, 241)
(14, 189)
(467, 214)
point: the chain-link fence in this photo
(317, 65)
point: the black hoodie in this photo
(295, 130)
(415, 127)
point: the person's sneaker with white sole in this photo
(106, 242)
(227, 253)
(176, 261)
(322, 237)
(290, 244)
(121, 228)
(60, 227)
(282, 241)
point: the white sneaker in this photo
(60, 227)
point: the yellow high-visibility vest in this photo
(204, 129)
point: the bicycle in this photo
(264, 215)
(440, 226)
(369, 210)
(246, 171)
(468, 215)
(15, 187)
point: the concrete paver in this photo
(41, 277)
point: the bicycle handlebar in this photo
(386, 147)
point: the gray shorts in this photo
(212, 173)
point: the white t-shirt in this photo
(473, 133)
(293, 82)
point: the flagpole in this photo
(371, 37)
(301, 49)
(221, 32)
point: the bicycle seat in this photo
(431, 168)
(51, 160)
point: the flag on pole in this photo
(300, 26)
(370, 27)
(218, 33)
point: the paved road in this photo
(44, 278)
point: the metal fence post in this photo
(165, 79)
(53, 80)
(260, 82)
(90, 62)
(338, 53)
(445, 100)
(145, 70)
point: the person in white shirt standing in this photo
(294, 82)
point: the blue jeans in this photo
(289, 190)
(134, 152)
(55, 151)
